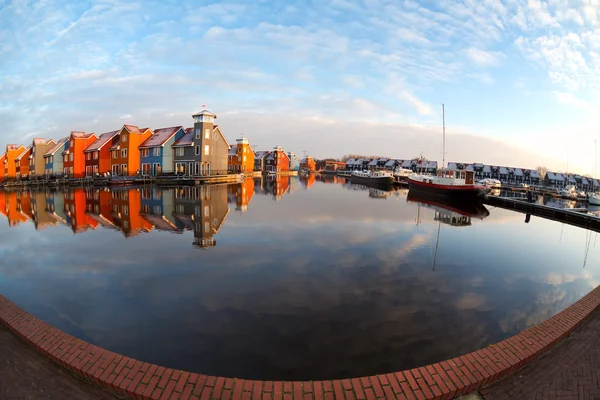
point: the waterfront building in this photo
(75, 210)
(2, 167)
(294, 161)
(260, 161)
(241, 157)
(125, 207)
(277, 161)
(53, 159)
(37, 164)
(73, 156)
(22, 163)
(97, 154)
(156, 152)
(308, 163)
(10, 167)
(125, 154)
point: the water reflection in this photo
(329, 280)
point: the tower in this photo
(204, 141)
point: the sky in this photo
(519, 78)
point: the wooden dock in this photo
(576, 217)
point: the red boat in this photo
(458, 184)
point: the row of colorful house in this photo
(416, 165)
(198, 151)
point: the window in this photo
(239, 158)
(179, 151)
(156, 151)
(71, 157)
(88, 156)
(206, 227)
(144, 152)
(197, 150)
(123, 153)
(207, 133)
(123, 169)
(115, 154)
(124, 138)
(206, 150)
(126, 210)
(206, 211)
(198, 133)
(244, 158)
(95, 155)
(197, 168)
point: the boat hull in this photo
(385, 182)
(454, 191)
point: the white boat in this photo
(569, 192)
(491, 183)
(402, 174)
(381, 177)
(594, 199)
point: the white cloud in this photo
(484, 58)
(570, 99)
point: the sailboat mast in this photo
(444, 137)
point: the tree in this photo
(542, 171)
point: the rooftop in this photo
(187, 139)
(101, 141)
(160, 137)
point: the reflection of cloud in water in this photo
(470, 301)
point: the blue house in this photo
(156, 154)
(53, 159)
(294, 161)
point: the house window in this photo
(124, 138)
(123, 169)
(179, 151)
(157, 210)
(126, 210)
(244, 158)
(95, 169)
(197, 150)
(156, 151)
(88, 156)
(144, 152)
(95, 155)
(206, 227)
(206, 211)
(115, 154)
(123, 153)
(198, 133)
(239, 158)
(206, 150)
(197, 168)
(207, 133)
(71, 157)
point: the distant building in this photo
(73, 156)
(241, 157)
(22, 163)
(260, 160)
(294, 161)
(53, 159)
(277, 161)
(125, 159)
(308, 163)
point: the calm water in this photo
(285, 279)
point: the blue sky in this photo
(519, 77)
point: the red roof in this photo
(57, 146)
(81, 135)
(102, 140)
(160, 137)
(135, 129)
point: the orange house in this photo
(308, 163)
(73, 157)
(241, 157)
(15, 217)
(10, 168)
(98, 207)
(2, 167)
(24, 204)
(75, 211)
(126, 205)
(22, 162)
(125, 159)
(308, 180)
(3, 209)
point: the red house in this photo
(277, 161)
(97, 155)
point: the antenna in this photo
(444, 137)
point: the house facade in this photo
(37, 164)
(97, 154)
(210, 145)
(260, 160)
(10, 167)
(277, 161)
(183, 153)
(125, 157)
(2, 167)
(294, 161)
(22, 163)
(53, 159)
(73, 156)
(156, 152)
(241, 157)
(308, 163)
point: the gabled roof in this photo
(160, 137)
(18, 158)
(13, 147)
(232, 151)
(40, 141)
(81, 135)
(186, 140)
(261, 154)
(101, 141)
(533, 173)
(216, 128)
(135, 129)
(503, 170)
(487, 168)
(518, 172)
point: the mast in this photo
(444, 137)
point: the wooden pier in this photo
(576, 217)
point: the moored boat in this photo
(402, 174)
(569, 192)
(460, 184)
(381, 178)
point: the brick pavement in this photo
(569, 371)
(26, 375)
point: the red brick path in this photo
(139, 380)
(569, 371)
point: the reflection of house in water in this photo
(97, 207)
(378, 193)
(294, 184)
(24, 204)
(55, 206)
(241, 194)
(157, 208)
(125, 207)
(308, 180)
(15, 217)
(452, 218)
(41, 218)
(75, 206)
(203, 210)
(277, 185)
(3, 205)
